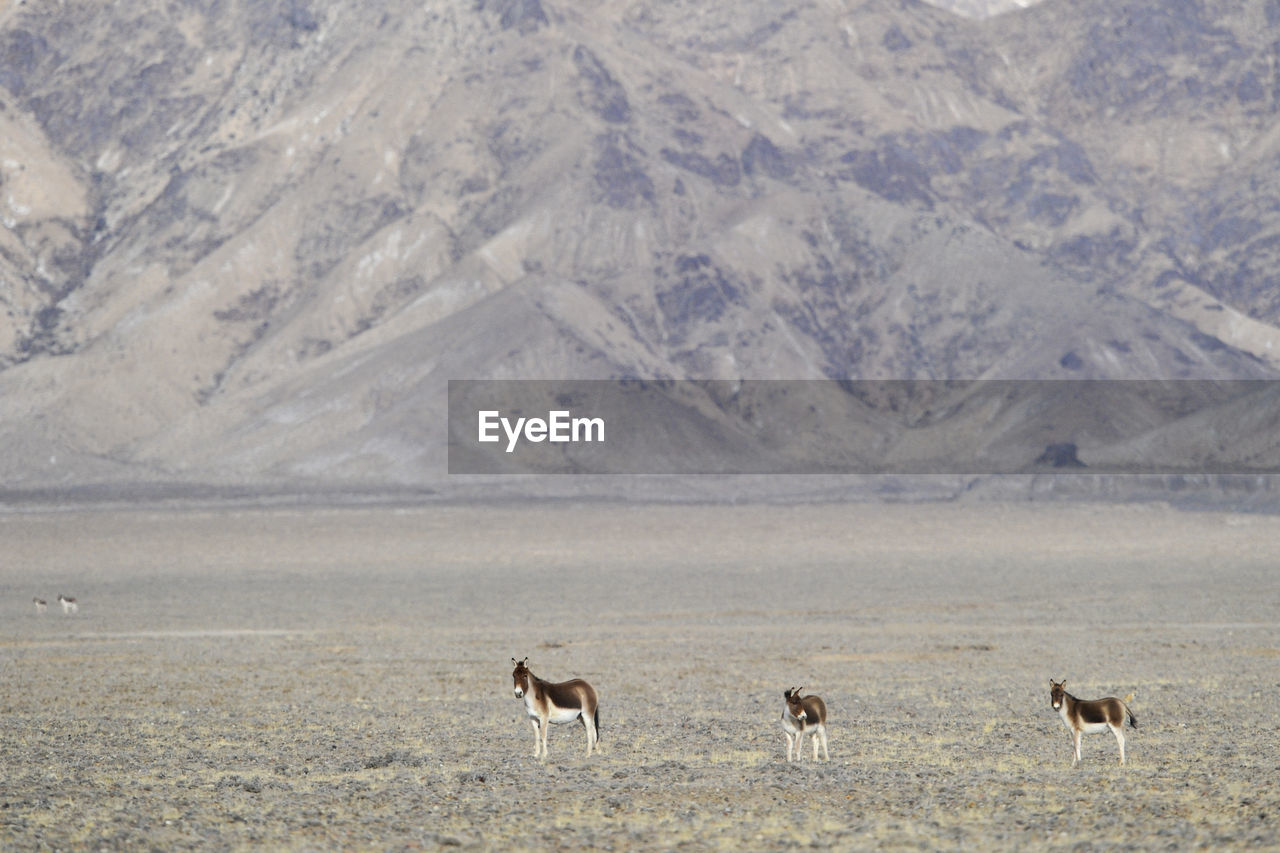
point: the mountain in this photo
(246, 244)
(980, 9)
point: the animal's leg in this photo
(789, 745)
(826, 756)
(1076, 735)
(800, 745)
(1119, 733)
(537, 737)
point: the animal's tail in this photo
(1133, 721)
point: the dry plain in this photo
(289, 678)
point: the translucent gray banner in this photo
(636, 426)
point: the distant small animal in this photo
(68, 604)
(41, 604)
(549, 702)
(803, 716)
(1089, 716)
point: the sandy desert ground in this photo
(340, 678)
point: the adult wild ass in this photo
(804, 715)
(549, 702)
(1087, 716)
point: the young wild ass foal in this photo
(548, 702)
(1087, 716)
(804, 715)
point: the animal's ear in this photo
(798, 689)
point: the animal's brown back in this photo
(571, 694)
(815, 710)
(1108, 710)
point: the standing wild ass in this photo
(548, 702)
(1087, 716)
(804, 715)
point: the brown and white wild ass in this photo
(549, 702)
(1087, 716)
(800, 716)
(41, 604)
(68, 604)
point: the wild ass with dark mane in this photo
(1088, 716)
(800, 716)
(549, 702)
(68, 604)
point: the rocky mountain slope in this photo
(980, 9)
(248, 243)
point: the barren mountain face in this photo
(249, 242)
(980, 9)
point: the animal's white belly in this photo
(1093, 728)
(563, 715)
(555, 715)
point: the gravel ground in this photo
(321, 679)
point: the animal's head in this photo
(520, 676)
(1057, 689)
(794, 705)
